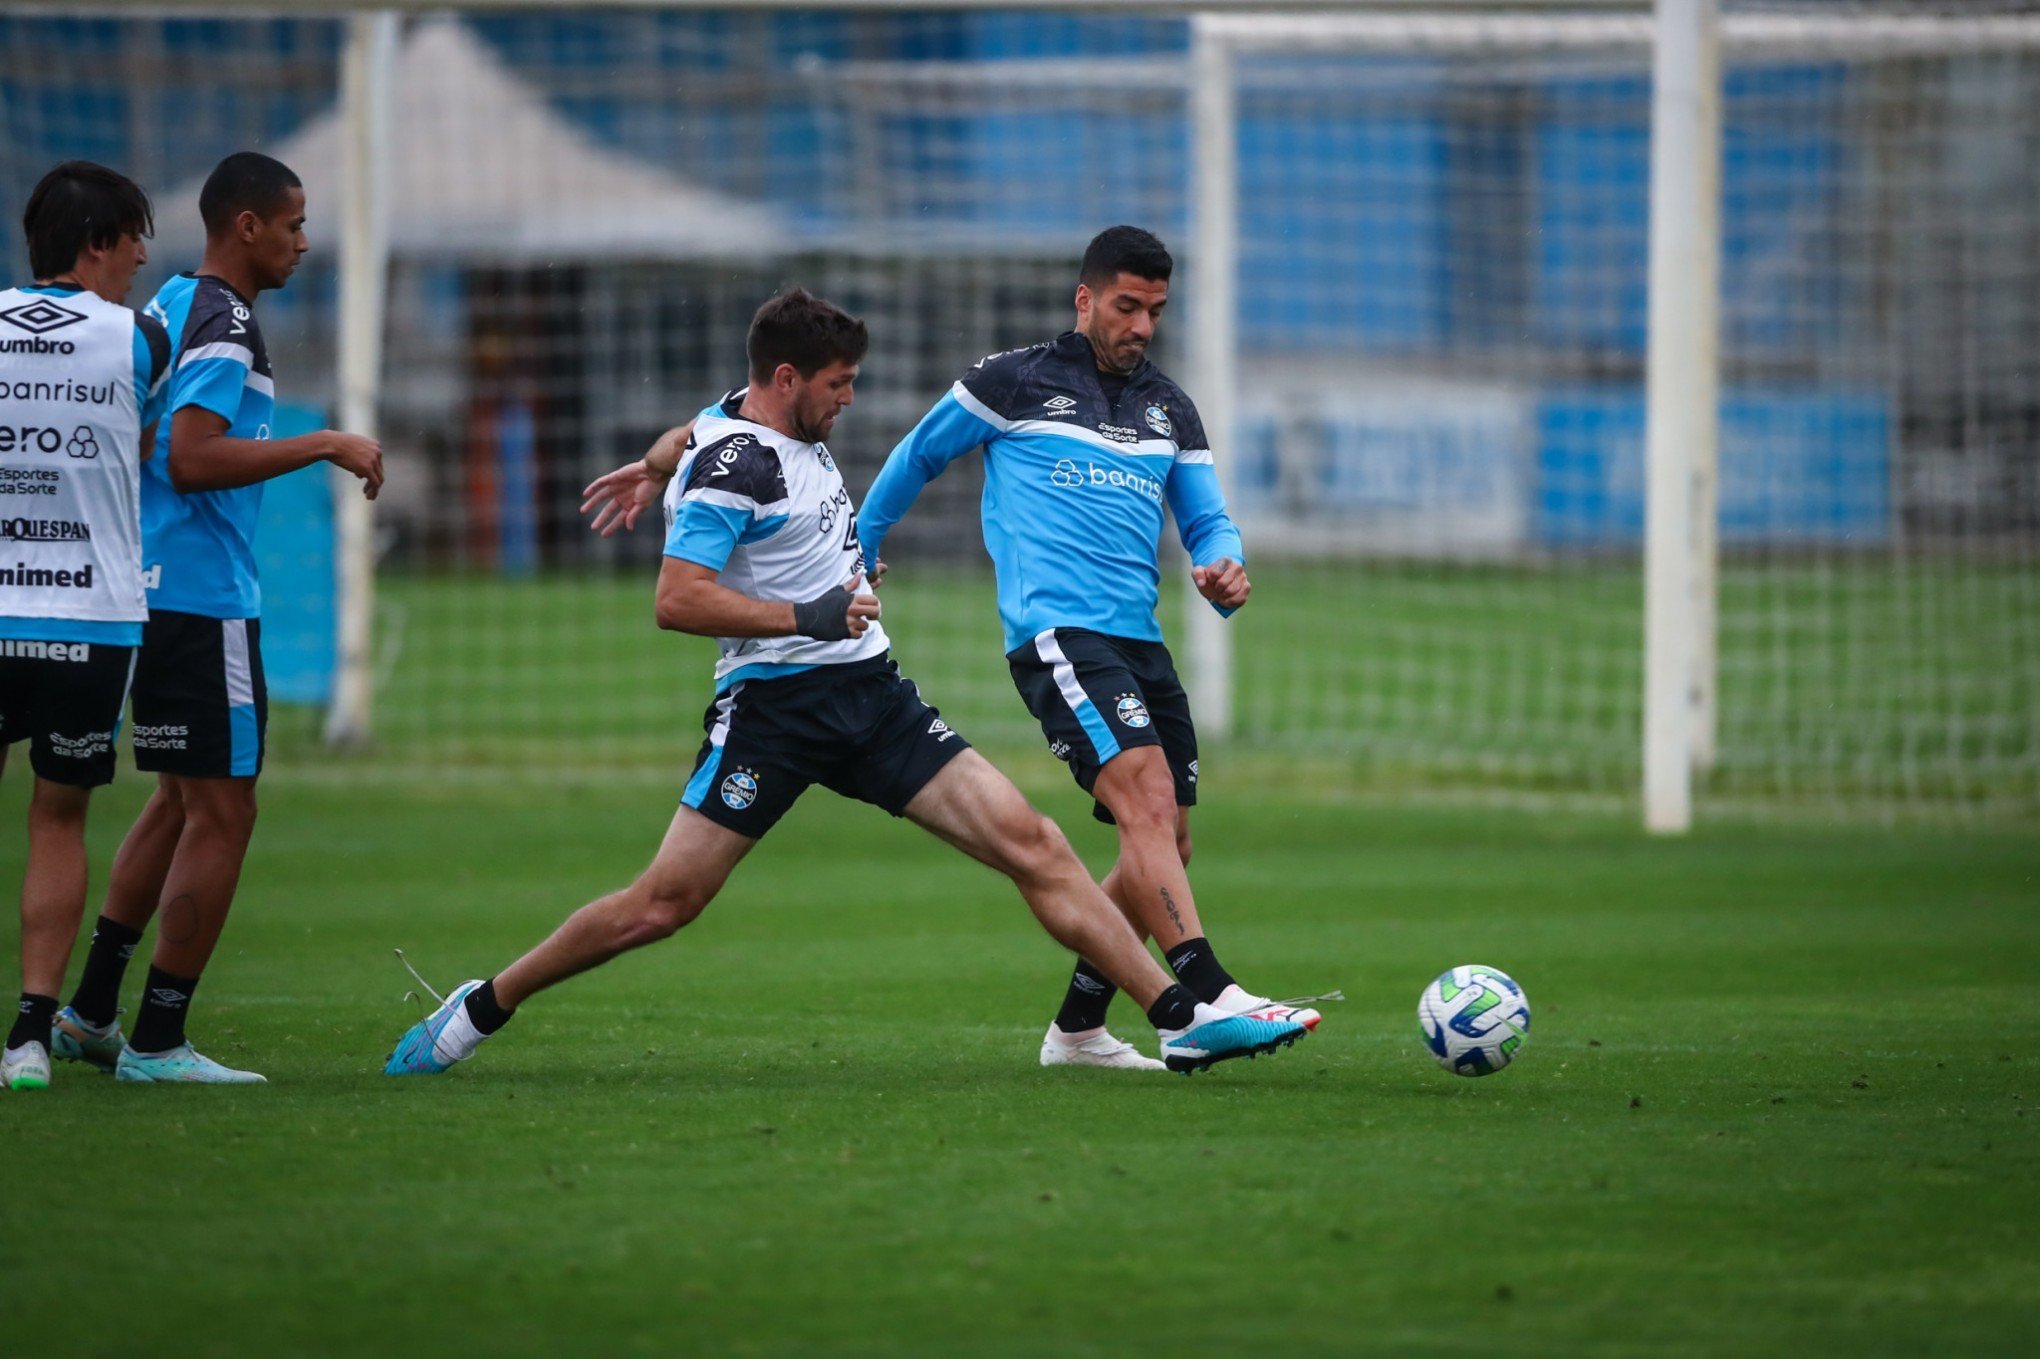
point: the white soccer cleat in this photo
(1235, 1000)
(183, 1064)
(25, 1068)
(1098, 1049)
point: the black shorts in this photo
(65, 699)
(201, 705)
(859, 729)
(1096, 695)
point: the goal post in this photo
(1682, 358)
(366, 66)
(1813, 581)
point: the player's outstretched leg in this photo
(691, 866)
(976, 808)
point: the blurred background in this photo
(1436, 451)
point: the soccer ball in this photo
(1475, 1018)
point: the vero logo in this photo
(40, 317)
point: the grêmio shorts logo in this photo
(21, 530)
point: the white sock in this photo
(459, 1039)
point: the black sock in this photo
(1196, 966)
(97, 998)
(1091, 991)
(32, 1025)
(1175, 1008)
(165, 1000)
(484, 1011)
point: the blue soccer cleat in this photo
(183, 1064)
(72, 1039)
(1214, 1036)
(422, 1051)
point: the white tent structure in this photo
(479, 170)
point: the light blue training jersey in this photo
(198, 547)
(1075, 482)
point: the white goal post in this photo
(1685, 39)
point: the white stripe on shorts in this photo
(724, 706)
(240, 676)
(1050, 650)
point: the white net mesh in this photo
(1443, 412)
(1438, 459)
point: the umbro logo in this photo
(940, 730)
(1058, 405)
(40, 317)
(163, 995)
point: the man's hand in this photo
(836, 616)
(876, 576)
(360, 456)
(1224, 582)
(619, 497)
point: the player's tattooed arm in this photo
(616, 499)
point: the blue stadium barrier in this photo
(1797, 468)
(1782, 154)
(295, 555)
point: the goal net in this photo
(1440, 358)
(1436, 379)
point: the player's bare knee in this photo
(228, 811)
(1149, 814)
(1183, 845)
(1048, 848)
(57, 805)
(1034, 847)
(663, 909)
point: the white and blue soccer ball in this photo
(1475, 1019)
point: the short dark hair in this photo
(77, 206)
(1125, 250)
(246, 181)
(806, 331)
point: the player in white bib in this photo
(762, 554)
(81, 382)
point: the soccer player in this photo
(1084, 441)
(762, 554)
(200, 706)
(81, 381)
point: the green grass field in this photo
(1780, 1099)
(1872, 689)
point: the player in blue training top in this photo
(200, 706)
(81, 385)
(762, 554)
(1085, 440)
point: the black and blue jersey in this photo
(199, 547)
(1075, 482)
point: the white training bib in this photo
(70, 460)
